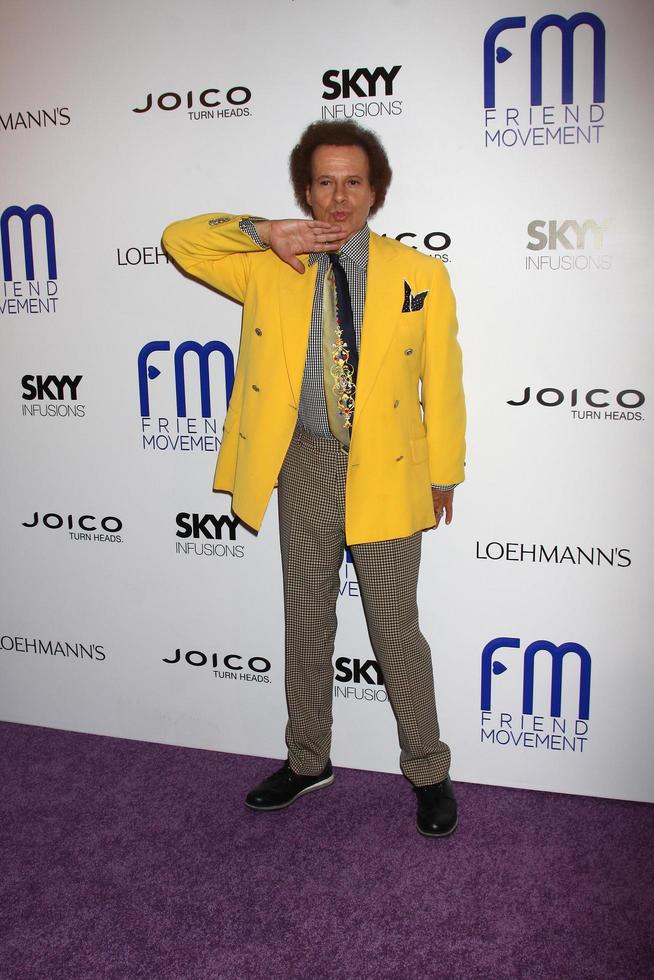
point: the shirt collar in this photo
(355, 248)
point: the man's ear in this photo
(307, 194)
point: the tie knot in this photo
(334, 259)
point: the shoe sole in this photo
(282, 806)
(446, 834)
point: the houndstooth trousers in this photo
(311, 495)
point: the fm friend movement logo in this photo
(27, 240)
(183, 432)
(508, 713)
(576, 116)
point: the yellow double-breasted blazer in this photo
(409, 422)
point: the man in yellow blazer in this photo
(348, 396)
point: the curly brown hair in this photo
(339, 134)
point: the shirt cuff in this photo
(435, 486)
(248, 226)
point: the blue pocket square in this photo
(411, 302)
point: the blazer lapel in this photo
(383, 304)
(295, 307)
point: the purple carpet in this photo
(127, 859)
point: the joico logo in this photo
(230, 666)
(594, 404)
(184, 433)
(85, 527)
(37, 291)
(562, 123)
(208, 535)
(51, 388)
(364, 680)
(435, 243)
(521, 726)
(566, 236)
(360, 83)
(210, 103)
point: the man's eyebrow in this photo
(348, 176)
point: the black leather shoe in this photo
(436, 809)
(284, 786)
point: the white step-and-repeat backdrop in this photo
(133, 603)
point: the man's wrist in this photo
(262, 229)
(252, 228)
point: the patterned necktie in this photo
(339, 351)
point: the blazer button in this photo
(408, 352)
(258, 331)
(255, 388)
(396, 403)
(399, 458)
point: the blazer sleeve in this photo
(212, 248)
(442, 384)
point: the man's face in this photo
(340, 190)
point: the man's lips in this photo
(339, 215)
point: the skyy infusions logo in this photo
(209, 535)
(564, 122)
(372, 88)
(359, 680)
(28, 246)
(567, 245)
(514, 721)
(51, 395)
(180, 431)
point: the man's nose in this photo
(339, 192)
